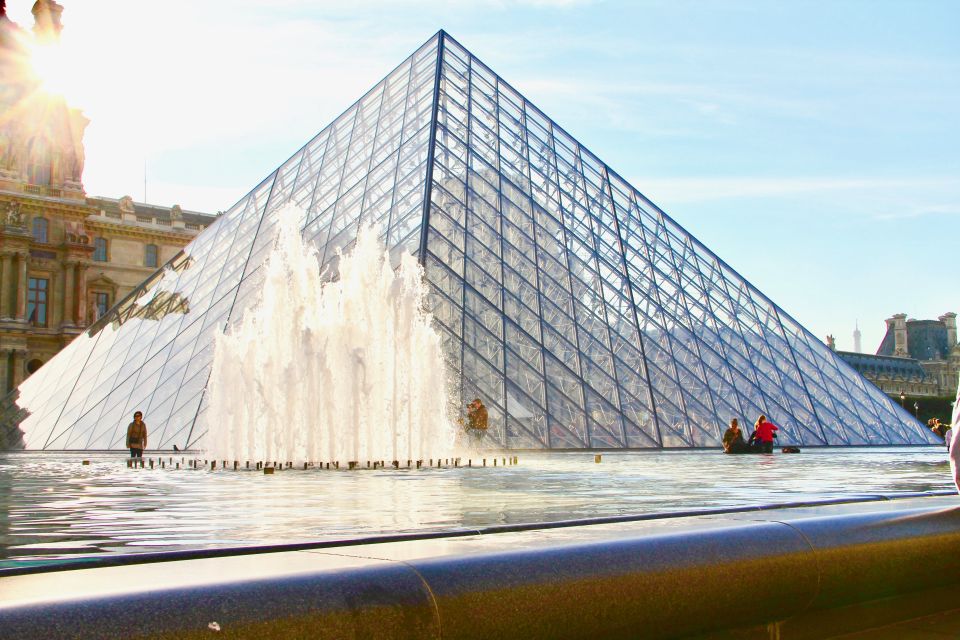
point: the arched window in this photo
(150, 257)
(99, 249)
(40, 227)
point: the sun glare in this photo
(50, 65)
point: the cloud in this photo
(388, 5)
(920, 211)
(698, 189)
(875, 199)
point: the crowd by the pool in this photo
(764, 434)
(761, 440)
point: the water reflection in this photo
(53, 507)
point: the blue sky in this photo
(813, 146)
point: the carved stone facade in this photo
(41, 136)
(64, 257)
(915, 358)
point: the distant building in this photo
(65, 257)
(915, 357)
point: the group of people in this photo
(760, 441)
(943, 431)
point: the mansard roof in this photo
(926, 340)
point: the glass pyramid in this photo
(578, 311)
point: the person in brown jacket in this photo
(733, 439)
(477, 417)
(137, 436)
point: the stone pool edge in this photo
(762, 569)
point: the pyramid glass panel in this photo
(579, 312)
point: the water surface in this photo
(52, 507)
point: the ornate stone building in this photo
(65, 257)
(916, 357)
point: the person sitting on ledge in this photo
(733, 439)
(766, 432)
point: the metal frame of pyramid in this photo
(579, 312)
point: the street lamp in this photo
(916, 410)
(902, 398)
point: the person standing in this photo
(137, 436)
(954, 448)
(766, 432)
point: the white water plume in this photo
(345, 370)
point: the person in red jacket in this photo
(766, 432)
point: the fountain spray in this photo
(338, 370)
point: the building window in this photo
(101, 303)
(37, 301)
(39, 165)
(150, 258)
(33, 365)
(40, 227)
(99, 249)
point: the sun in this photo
(51, 67)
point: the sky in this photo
(813, 146)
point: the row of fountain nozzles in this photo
(269, 468)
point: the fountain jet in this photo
(336, 370)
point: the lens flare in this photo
(50, 68)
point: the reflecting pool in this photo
(53, 507)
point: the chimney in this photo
(900, 347)
(949, 320)
(857, 346)
(831, 343)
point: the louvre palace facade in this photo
(65, 257)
